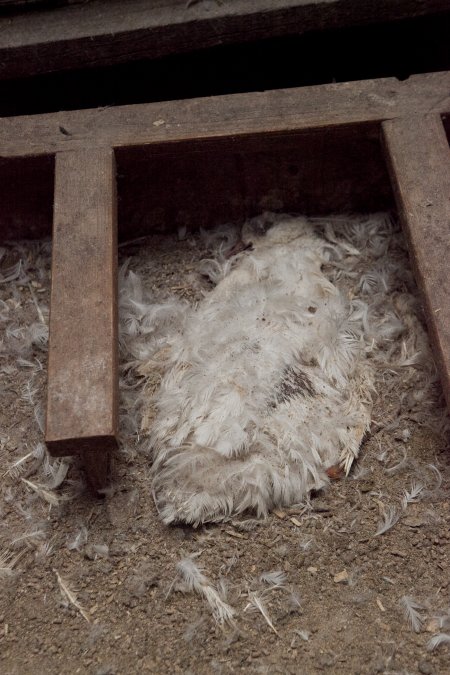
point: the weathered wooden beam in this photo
(233, 118)
(100, 33)
(82, 363)
(419, 160)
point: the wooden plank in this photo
(234, 118)
(100, 33)
(419, 160)
(82, 363)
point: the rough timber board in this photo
(419, 159)
(100, 32)
(82, 363)
(229, 119)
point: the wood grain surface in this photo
(419, 159)
(82, 365)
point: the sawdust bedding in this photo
(106, 587)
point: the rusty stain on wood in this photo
(419, 159)
(82, 363)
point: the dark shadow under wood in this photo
(202, 183)
(26, 197)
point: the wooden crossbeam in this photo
(419, 159)
(82, 361)
(233, 118)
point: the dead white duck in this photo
(267, 385)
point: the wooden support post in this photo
(419, 160)
(82, 363)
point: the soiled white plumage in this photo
(266, 385)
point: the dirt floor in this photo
(92, 586)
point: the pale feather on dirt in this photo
(412, 611)
(193, 579)
(268, 381)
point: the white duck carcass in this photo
(266, 387)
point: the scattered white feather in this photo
(29, 392)
(17, 467)
(381, 456)
(274, 579)
(436, 640)
(194, 580)
(8, 560)
(39, 416)
(25, 363)
(55, 470)
(411, 610)
(360, 472)
(42, 492)
(443, 619)
(39, 311)
(403, 463)
(102, 550)
(79, 540)
(12, 273)
(192, 630)
(38, 334)
(256, 603)
(69, 596)
(32, 536)
(437, 475)
(414, 494)
(44, 549)
(294, 600)
(306, 544)
(389, 518)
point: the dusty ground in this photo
(339, 608)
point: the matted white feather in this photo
(267, 384)
(268, 381)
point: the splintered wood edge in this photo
(82, 392)
(418, 157)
